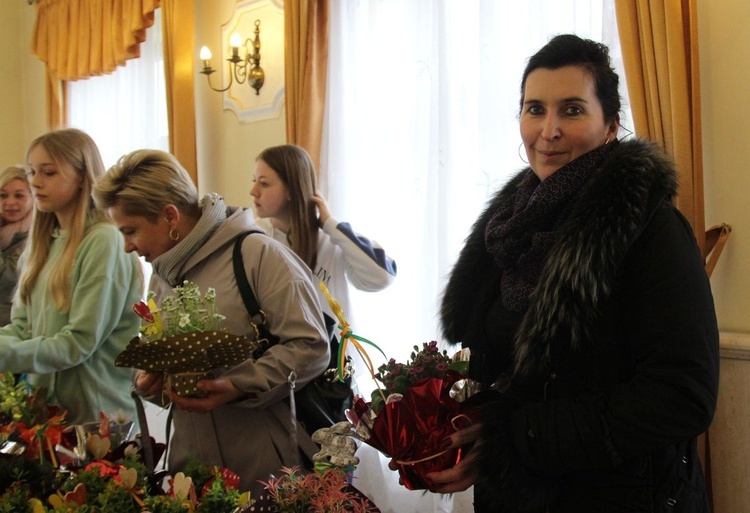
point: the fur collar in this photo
(581, 269)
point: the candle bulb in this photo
(205, 56)
(234, 42)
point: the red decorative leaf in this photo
(142, 310)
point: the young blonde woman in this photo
(72, 313)
(293, 212)
(242, 422)
(16, 206)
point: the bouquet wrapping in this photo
(413, 412)
(416, 406)
(184, 340)
(412, 428)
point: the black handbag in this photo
(323, 401)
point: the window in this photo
(125, 110)
(421, 129)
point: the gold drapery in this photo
(660, 53)
(78, 39)
(57, 113)
(306, 65)
(83, 38)
(178, 68)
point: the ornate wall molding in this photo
(241, 98)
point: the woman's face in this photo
(149, 239)
(56, 188)
(270, 194)
(15, 201)
(561, 118)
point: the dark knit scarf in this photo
(520, 233)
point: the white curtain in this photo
(421, 128)
(125, 110)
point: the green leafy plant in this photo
(116, 498)
(218, 498)
(198, 471)
(18, 405)
(165, 504)
(92, 479)
(36, 476)
(15, 500)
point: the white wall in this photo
(22, 82)
(724, 33)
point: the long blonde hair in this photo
(76, 149)
(296, 169)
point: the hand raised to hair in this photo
(323, 212)
(219, 391)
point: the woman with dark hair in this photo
(582, 295)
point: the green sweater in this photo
(72, 354)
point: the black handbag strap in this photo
(251, 303)
(248, 297)
(148, 451)
(265, 338)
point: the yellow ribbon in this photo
(348, 337)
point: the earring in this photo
(174, 234)
(519, 154)
(606, 141)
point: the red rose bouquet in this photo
(416, 406)
(413, 412)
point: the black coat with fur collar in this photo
(614, 364)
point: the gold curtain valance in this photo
(82, 38)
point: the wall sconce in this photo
(243, 69)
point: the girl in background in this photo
(72, 313)
(15, 220)
(293, 212)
